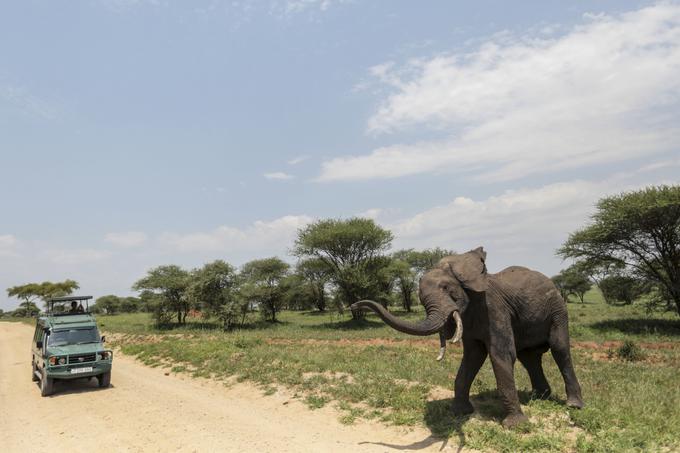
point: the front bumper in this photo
(65, 371)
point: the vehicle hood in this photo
(75, 349)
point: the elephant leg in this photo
(503, 356)
(559, 348)
(474, 355)
(534, 366)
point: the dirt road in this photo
(146, 411)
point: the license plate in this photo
(86, 369)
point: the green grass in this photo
(369, 371)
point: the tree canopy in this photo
(164, 290)
(213, 288)
(264, 283)
(353, 249)
(622, 289)
(638, 231)
(31, 292)
(572, 280)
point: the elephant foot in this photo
(541, 394)
(514, 420)
(575, 402)
(462, 407)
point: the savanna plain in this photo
(626, 359)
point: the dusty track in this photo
(145, 410)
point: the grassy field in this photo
(371, 371)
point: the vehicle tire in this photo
(104, 379)
(46, 384)
(34, 378)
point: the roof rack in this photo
(68, 298)
(64, 301)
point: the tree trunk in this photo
(676, 299)
(407, 299)
(358, 314)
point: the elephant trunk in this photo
(433, 323)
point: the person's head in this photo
(74, 305)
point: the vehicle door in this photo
(40, 346)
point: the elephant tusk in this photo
(442, 350)
(459, 327)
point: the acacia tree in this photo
(130, 304)
(405, 281)
(31, 292)
(598, 270)
(109, 304)
(214, 288)
(265, 283)
(409, 265)
(572, 280)
(317, 274)
(423, 260)
(164, 289)
(353, 251)
(639, 231)
(622, 289)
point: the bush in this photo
(630, 352)
(622, 289)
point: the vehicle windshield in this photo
(73, 336)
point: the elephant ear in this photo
(470, 270)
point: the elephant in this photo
(514, 314)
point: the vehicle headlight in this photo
(62, 360)
(53, 360)
(99, 356)
(103, 355)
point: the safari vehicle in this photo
(67, 345)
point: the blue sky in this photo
(135, 133)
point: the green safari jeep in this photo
(67, 345)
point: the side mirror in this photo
(104, 339)
(39, 344)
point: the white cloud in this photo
(523, 226)
(7, 241)
(373, 213)
(126, 239)
(605, 91)
(261, 237)
(290, 7)
(298, 159)
(279, 175)
(26, 102)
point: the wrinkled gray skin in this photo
(514, 314)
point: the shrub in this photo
(630, 352)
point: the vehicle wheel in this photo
(34, 378)
(104, 379)
(46, 384)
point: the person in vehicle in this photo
(74, 307)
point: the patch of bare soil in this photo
(606, 345)
(606, 351)
(418, 342)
